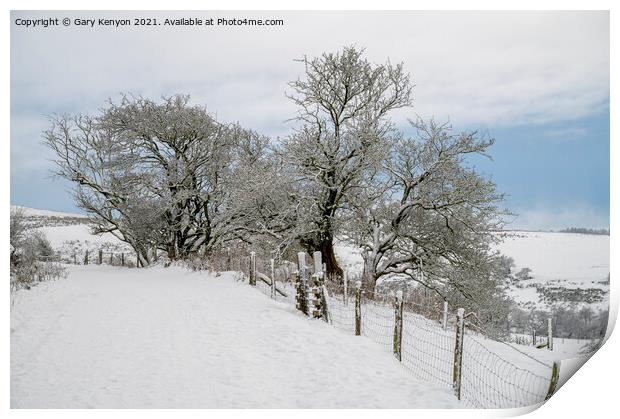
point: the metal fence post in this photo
(345, 281)
(358, 308)
(550, 334)
(458, 352)
(272, 265)
(445, 315)
(252, 268)
(398, 324)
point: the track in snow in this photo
(165, 338)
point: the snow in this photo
(59, 235)
(568, 256)
(32, 212)
(109, 337)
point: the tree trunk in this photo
(329, 258)
(369, 278)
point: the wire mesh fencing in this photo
(488, 374)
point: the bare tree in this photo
(343, 102)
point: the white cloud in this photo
(550, 219)
(490, 68)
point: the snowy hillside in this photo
(70, 234)
(111, 337)
(164, 337)
(40, 213)
(566, 260)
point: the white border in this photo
(592, 392)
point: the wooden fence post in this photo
(398, 324)
(458, 352)
(86, 257)
(318, 262)
(534, 337)
(555, 375)
(272, 264)
(324, 306)
(100, 257)
(316, 282)
(228, 263)
(302, 284)
(122, 259)
(358, 308)
(253, 268)
(111, 258)
(445, 315)
(550, 334)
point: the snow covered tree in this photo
(426, 215)
(344, 102)
(153, 174)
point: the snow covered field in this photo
(110, 337)
(566, 260)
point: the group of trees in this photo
(569, 321)
(168, 175)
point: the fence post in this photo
(228, 263)
(345, 280)
(302, 281)
(122, 259)
(252, 268)
(272, 264)
(458, 352)
(445, 315)
(318, 262)
(358, 308)
(555, 376)
(315, 296)
(550, 334)
(325, 308)
(534, 337)
(86, 257)
(398, 324)
(100, 257)
(111, 258)
(74, 258)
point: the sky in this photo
(536, 82)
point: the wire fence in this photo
(491, 374)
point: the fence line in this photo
(484, 372)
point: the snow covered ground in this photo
(117, 337)
(566, 260)
(110, 337)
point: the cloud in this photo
(477, 68)
(553, 219)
